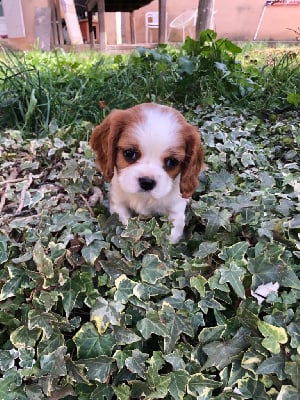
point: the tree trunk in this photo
(205, 13)
(162, 31)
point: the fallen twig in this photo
(11, 181)
(23, 193)
(87, 205)
(12, 176)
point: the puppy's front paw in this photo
(175, 235)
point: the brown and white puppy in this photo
(152, 157)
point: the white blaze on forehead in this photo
(157, 132)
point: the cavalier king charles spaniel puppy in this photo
(152, 157)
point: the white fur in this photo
(155, 135)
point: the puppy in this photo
(152, 157)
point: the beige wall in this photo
(28, 7)
(234, 19)
(239, 20)
(29, 14)
(276, 21)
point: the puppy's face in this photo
(150, 153)
(149, 147)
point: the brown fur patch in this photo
(126, 142)
(177, 153)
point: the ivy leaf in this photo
(27, 358)
(178, 384)
(209, 302)
(133, 230)
(288, 392)
(233, 274)
(214, 282)
(7, 359)
(205, 249)
(292, 369)
(18, 279)
(158, 384)
(99, 368)
(92, 251)
(102, 391)
(235, 253)
(251, 360)
(153, 269)
(214, 333)
(76, 371)
(274, 336)
(252, 389)
(263, 270)
(136, 363)
(272, 365)
(106, 313)
(246, 317)
(176, 360)
(3, 249)
(176, 324)
(44, 321)
(221, 181)
(122, 391)
(124, 335)
(46, 346)
(216, 218)
(247, 159)
(43, 263)
(90, 344)
(198, 282)
(152, 324)
(23, 337)
(290, 279)
(201, 387)
(220, 353)
(10, 384)
(54, 363)
(70, 291)
(125, 288)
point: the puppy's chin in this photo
(128, 179)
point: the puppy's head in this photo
(149, 147)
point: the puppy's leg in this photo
(177, 216)
(121, 210)
(117, 201)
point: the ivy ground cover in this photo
(93, 310)
(90, 309)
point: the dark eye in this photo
(171, 163)
(130, 155)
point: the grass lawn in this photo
(90, 309)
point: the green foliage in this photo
(93, 310)
(43, 91)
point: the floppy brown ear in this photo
(104, 141)
(193, 163)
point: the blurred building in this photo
(238, 20)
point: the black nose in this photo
(146, 183)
